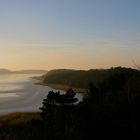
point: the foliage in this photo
(55, 100)
(81, 78)
(112, 107)
(110, 110)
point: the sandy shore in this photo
(65, 88)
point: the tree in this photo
(55, 100)
(49, 104)
(67, 99)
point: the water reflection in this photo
(18, 93)
(5, 95)
(13, 78)
(9, 87)
(10, 83)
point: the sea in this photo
(20, 93)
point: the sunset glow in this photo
(79, 34)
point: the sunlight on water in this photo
(7, 95)
(8, 78)
(11, 84)
(9, 87)
(18, 93)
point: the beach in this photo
(19, 93)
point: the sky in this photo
(75, 34)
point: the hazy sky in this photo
(80, 34)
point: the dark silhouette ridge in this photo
(110, 110)
(81, 78)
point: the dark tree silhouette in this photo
(55, 100)
(49, 103)
(67, 99)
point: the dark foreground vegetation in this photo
(81, 78)
(111, 110)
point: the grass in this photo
(18, 126)
(18, 118)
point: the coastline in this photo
(81, 91)
(24, 97)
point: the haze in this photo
(79, 34)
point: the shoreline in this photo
(31, 95)
(82, 91)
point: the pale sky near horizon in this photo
(77, 34)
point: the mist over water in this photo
(19, 93)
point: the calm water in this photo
(18, 93)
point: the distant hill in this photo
(30, 72)
(81, 78)
(6, 71)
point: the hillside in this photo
(5, 71)
(111, 109)
(30, 72)
(81, 78)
